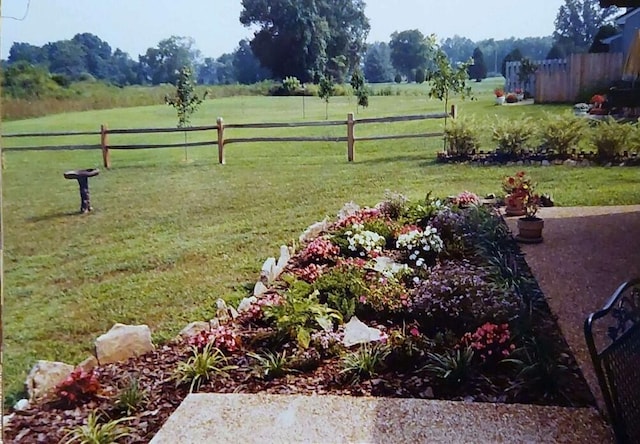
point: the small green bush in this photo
(398, 78)
(559, 133)
(462, 136)
(512, 135)
(611, 138)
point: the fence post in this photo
(351, 141)
(220, 123)
(106, 157)
(454, 112)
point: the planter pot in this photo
(530, 230)
(520, 97)
(514, 205)
(500, 100)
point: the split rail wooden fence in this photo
(220, 141)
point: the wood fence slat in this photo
(286, 139)
(53, 148)
(67, 133)
(286, 124)
(161, 130)
(402, 118)
(162, 145)
(401, 136)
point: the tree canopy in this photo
(478, 70)
(410, 51)
(377, 63)
(578, 22)
(308, 38)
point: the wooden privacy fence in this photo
(221, 141)
(560, 81)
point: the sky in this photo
(135, 25)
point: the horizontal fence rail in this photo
(220, 141)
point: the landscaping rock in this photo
(259, 289)
(357, 332)
(585, 163)
(267, 273)
(314, 230)
(570, 162)
(194, 329)
(545, 163)
(88, 364)
(224, 313)
(23, 404)
(349, 209)
(45, 376)
(520, 163)
(123, 342)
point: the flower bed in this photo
(419, 299)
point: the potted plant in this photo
(500, 98)
(530, 226)
(519, 94)
(517, 188)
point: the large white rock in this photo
(259, 289)
(123, 342)
(267, 273)
(357, 332)
(45, 376)
(349, 209)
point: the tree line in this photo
(308, 40)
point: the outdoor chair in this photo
(613, 337)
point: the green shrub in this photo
(561, 132)
(131, 396)
(611, 138)
(512, 135)
(462, 136)
(397, 78)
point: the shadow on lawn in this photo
(54, 216)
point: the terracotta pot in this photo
(514, 205)
(530, 230)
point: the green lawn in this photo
(169, 237)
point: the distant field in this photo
(170, 236)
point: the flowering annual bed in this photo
(422, 299)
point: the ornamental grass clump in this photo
(462, 136)
(562, 132)
(512, 135)
(611, 138)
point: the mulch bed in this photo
(46, 423)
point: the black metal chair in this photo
(613, 337)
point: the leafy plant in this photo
(202, 366)
(445, 79)
(462, 136)
(77, 388)
(300, 313)
(271, 365)
(540, 369)
(560, 132)
(610, 137)
(453, 366)
(512, 135)
(291, 85)
(185, 101)
(360, 88)
(364, 362)
(131, 396)
(95, 432)
(325, 92)
(394, 205)
(341, 287)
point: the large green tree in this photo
(246, 65)
(307, 38)
(163, 63)
(578, 21)
(377, 63)
(410, 50)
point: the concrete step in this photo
(262, 418)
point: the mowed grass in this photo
(170, 236)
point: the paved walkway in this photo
(586, 254)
